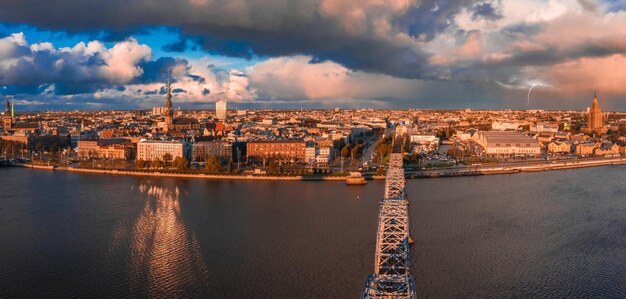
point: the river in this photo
(546, 234)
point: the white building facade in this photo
(149, 150)
(507, 143)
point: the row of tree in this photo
(216, 165)
(353, 150)
(10, 148)
(14, 148)
(178, 163)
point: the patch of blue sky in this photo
(156, 38)
(615, 5)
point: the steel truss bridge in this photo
(392, 274)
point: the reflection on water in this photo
(165, 255)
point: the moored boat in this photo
(355, 178)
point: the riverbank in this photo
(504, 168)
(515, 167)
(186, 175)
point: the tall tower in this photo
(594, 118)
(168, 107)
(7, 119)
(220, 110)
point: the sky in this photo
(447, 54)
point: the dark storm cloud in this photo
(46, 66)
(178, 46)
(487, 11)
(550, 55)
(431, 17)
(197, 78)
(182, 44)
(78, 88)
(160, 70)
(516, 31)
(259, 28)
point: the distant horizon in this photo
(319, 53)
(318, 109)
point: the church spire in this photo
(168, 103)
(12, 108)
(168, 107)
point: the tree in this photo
(167, 158)
(381, 148)
(339, 144)
(407, 143)
(272, 166)
(156, 163)
(39, 147)
(141, 164)
(180, 163)
(448, 133)
(213, 165)
(8, 148)
(54, 148)
(230, 166)
(345, 151)
(356, 150)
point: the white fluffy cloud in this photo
(326, 52)
(296, 78)
(115, 72)
(22, 63)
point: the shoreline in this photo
(186, 175)
(438, 173)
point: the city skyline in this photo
(375, 149)
(314, 54)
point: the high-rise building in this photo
(220, 110)
(594, 117)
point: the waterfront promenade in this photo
(489, 169)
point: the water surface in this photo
(550, 234)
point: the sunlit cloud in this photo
(319, 52)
